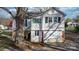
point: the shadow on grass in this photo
(6, 43)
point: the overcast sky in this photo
(70, 12)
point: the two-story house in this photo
(47, 27)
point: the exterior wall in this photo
(74, 24)
(55, 37)
(28, 24)
(36, 26)
(33, 37)
(48, 29)
(27, 27)
(53, 25)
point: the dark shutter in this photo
(59, 19)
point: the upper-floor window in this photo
(48, 19)
(37, 20)
(37, 33)
(57, 19)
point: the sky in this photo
(71, 12)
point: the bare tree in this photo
(21, 13)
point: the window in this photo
(37, 20)
(55, 20)
(59, 19)
(25, 22)
(46, 19)
(50, 19)
(37, 33)
(34, 20)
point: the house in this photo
(48, 27)
(5, 23)
(73, 24)
(2, 27)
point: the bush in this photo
(76, 29)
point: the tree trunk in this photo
(19, 25)
(19, 30)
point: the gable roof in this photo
(42, 13)
(56, 10)
(59, 11)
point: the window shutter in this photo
(59, 19)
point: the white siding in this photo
(35, 26)
(35, 38)
(54, 37)
(46, 30)
(53, 26)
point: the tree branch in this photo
(8, 11)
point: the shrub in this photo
(76, 29)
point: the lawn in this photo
(7, 43)
(6, 33)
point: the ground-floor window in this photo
(37, 33)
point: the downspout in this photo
(42, 39)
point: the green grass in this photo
(6, 33)
(5, 43)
